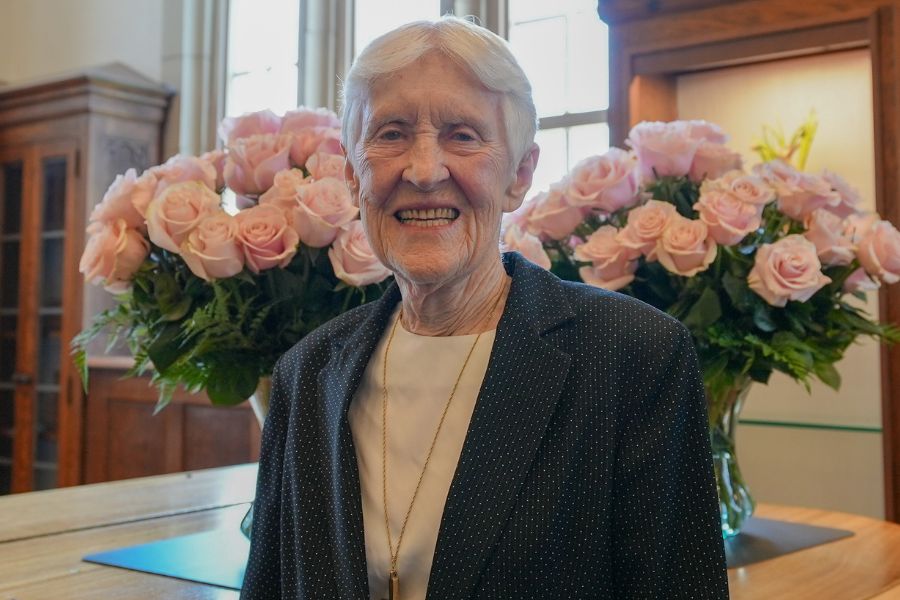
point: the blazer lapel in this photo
(506, 429)
(338, 381)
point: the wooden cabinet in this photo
(124, 439)
(62, 142)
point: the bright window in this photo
(563, 47)
(375, 17)
(263, 42)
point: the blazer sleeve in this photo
(262, 577)
(667, 539)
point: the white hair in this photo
(484, 54)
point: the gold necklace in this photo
(393, 577)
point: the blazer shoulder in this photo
(605, 308)
(329, 337)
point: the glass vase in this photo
(259, 402)
(735, 502)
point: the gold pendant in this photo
(393, 586)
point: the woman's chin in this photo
(427, 268)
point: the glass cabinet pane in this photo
(48, 346)
(54, 186)
(52, 267)
(7, 348)
(9, 274)
(7, 429)
(11, 197)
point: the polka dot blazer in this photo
(586, 470)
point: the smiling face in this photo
(432, 172)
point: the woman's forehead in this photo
(442, 91)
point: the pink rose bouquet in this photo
(757, 264)
(209, 297)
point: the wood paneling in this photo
(651, 43)
(125, 439)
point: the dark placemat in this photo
(215, 557)
(762, 539)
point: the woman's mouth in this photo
(427, 217)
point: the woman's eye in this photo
(462, 136)
(390, 135)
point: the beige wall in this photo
(45, 37)
(789, 462)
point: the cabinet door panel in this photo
(12, 172)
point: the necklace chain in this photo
(394, 554)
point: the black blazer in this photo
(586, 470)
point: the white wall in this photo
(820, 449)
(39, 38)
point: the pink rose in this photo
(607, 183)
(729, 220)
(113, 254)
(516, 239)
(267, 238)
(253, 161)
(713, 160)
(857, 226)
(858, 281)
(708, 132)
(612, 267)
(117, 202)
(303, 118)
(833, 244)
(322, 208)
(211, 249)
(879, 252)
(216, 158)
(175, 212)
(352, 258)
(799, 194)
(748, 188)
(685, 248)
(284, 192)
(663, 148)
(645, 226)
(180, 168)
(552, 216)
(850, 199)
(144, 191)
(321, 165)
(789, 269)
(312, 140)
(264, 122)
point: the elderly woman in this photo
(484, 430)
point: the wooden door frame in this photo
(644, 69)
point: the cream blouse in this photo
(421, 373)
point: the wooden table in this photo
(43, 536)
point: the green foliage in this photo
(220, 336)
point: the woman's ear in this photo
(515, 194)
(351, 179)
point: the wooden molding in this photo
(615, 12)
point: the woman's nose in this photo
(426, 167)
